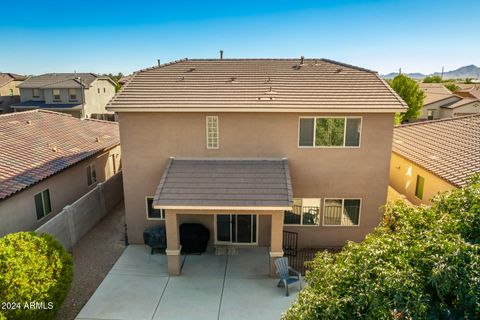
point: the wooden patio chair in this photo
(284, 274)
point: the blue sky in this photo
(124, 36)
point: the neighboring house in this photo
(252, 147)
(434, 156)
(83, 95)
(47, 161)
(441, 103)
(471, 91)
(9, 93)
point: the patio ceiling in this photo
(232, 184)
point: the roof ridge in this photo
(11, 114)
(436, 121)
(99, 120)
(349, 65)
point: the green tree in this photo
(451, 86)
(433, 79)
(413, 96)
(421, 263)
(33, 269)
(115, 78)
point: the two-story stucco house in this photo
(252, 147)
(9, 93)
(83, 95)
(48, 160)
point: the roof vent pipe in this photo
(158, 62)
(221, 54)
(301, 59)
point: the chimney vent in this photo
(158, 62)
(301, 59)
(221, 54)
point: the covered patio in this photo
(211, 287)
(240, 201)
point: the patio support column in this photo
(173, 243)
(276, 241)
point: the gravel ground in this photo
(93, 256)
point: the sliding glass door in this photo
(236, 228)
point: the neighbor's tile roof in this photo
(37, 144)
(434, 92)
(8, 77)
(460, 103)
(471, 92)
(59, 80)
(256, 84)
(215, 183)
(449, 148)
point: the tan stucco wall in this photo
(5, 96)
(149, 139)
(95, 102)
(403, 178)
(18, 213)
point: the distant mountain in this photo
(415, 75)
(470, 71)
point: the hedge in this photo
(35, 276)
(421, 263)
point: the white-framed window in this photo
(42, 204)
(56, 94)
(324, 132)
(91, 174)
(212, 132)
(36, 93)
(72, 94)
(305, 212)
(152, 213)
(341, 212)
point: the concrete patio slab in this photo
(137, 260)
(190, 298)
(210, 287)
(249, 263)
(125, 297)
(205, 265)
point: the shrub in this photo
(33, 269)
(421, 263)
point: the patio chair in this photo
(284, 271)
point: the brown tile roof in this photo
(434, 92)
(61, 80)
(225, 183)
(256, 85)
(8, 77)
(471, 92)
(449, 148)
(460, 103)
(36, 144)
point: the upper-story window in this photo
(212, 132)
(72, 94)
(56, 94)
(329, 131)
(36, 93)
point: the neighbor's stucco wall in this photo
(438, 114)
(18, 213)
(149, 139)
(97, 96)
(403, 178)
(5, 98)
(470, 108)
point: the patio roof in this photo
(233, 184)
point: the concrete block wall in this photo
(75, 220)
